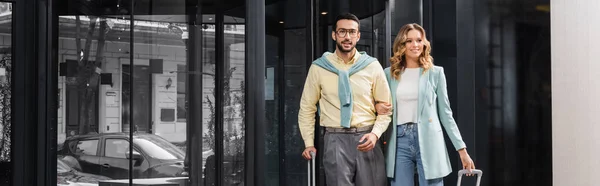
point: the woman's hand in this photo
(467, 162)
(383, 108)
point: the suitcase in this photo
(311, 170)
(477, 172)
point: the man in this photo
(346, 85)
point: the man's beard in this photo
(341, 48)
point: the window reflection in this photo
(159, 149)
(94, 93)
(208, 101)
(116, 148)
(87, 147)
(234, 102)
(272, 109)
(295, 73)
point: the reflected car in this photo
(107, 154)
(65, 175)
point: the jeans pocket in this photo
(401, 131)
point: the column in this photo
(575, 92)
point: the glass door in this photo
(152, 91)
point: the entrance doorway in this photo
(141, 101)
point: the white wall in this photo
(575, 92)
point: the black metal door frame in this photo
(35, 92)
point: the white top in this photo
(407, 96)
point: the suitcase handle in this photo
(311, 174)
(477, 172)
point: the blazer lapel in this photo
(422, 87)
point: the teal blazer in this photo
(433, 113)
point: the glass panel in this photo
(162, 47)
(404, 12)
(87, 147)
(379, 34)
(158, 148)
(372, 30)
(366, 36)
(517, 55)
(115, 148)
(272, 65)
(160, 88)
(234, 101)
(208, 99)
(285, 65)
(5, 92)
(296, 68)
(93, 91)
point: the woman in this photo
(420, 109)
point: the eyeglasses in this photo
(343, 32)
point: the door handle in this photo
(107, 128)
(106, 165)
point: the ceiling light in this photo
(323, 13)
(281, 22)
(543, 8)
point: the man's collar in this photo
(352, 60)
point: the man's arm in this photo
(381, 93)
(308, 106)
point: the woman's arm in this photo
(445, 112)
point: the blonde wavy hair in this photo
(398, 61)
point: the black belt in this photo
(350, 130)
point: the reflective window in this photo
(233, 103)
(159, 149)
(209, 92)
(87, 147)
(94, 87)
(120, 80)
(295, 67)
(116, 148)
(497, 59)
(181, 103)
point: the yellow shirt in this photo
(368, 85)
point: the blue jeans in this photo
(408, 155)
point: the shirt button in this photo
(430, 120)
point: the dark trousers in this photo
(345, 165)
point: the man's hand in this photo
(466, 160)
(367, 142)
(383, 108)
(306, 153)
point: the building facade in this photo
(208, 91)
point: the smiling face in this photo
(346, 35)
(411, 45)
(414, 44)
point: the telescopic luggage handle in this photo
(477, 172)
(311, 174)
